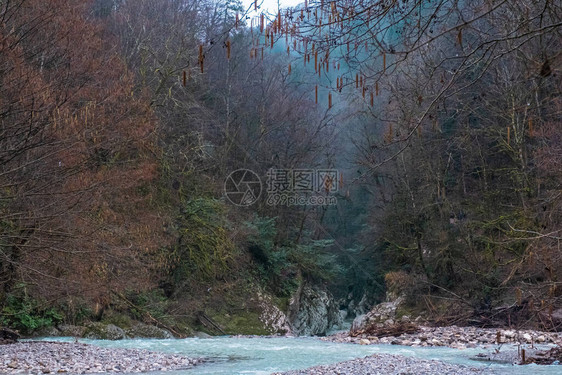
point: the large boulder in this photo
(313, 311)
(148, 331)
(382, 314)
(69, 330)
(273, 319)
(202, 335)
(47, 332)
(101, 331)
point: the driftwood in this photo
(7, 336)
(545, 358)
(396, 329)
(209, 323)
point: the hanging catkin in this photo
(289, 68)
(508, 134)
(201, 57)
(384, 62)
(356, 81)
(329, 100)
(377, 88)
(261, 22)
(228, 49)
(316, 94)
(184, 78)
(389, 134)
(372, 99)
(315, 59)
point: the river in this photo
(263, 355)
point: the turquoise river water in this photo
(263, 355)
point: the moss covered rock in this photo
(101, 331)
(69, 330)
(148, 331)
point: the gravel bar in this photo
(45, 357)
(454, 337)
(389, 364)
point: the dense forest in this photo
(432, 127)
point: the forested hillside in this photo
(122, 120)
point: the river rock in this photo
(271, 316)
(509, 334)
(47, 332)
(387, 364)
(36, 357)
(383, 313)
(455, 337)
(70, 330)
(101, 331)
(358, 322)
(202, 335)
(148, 331)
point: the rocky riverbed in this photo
(44, 357)
(389, 364)
(454, 337)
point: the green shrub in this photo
(281, 264)
(27, 315)
(204, 247)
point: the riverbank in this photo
(46, 357)
(453, 337)
(389, 364)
